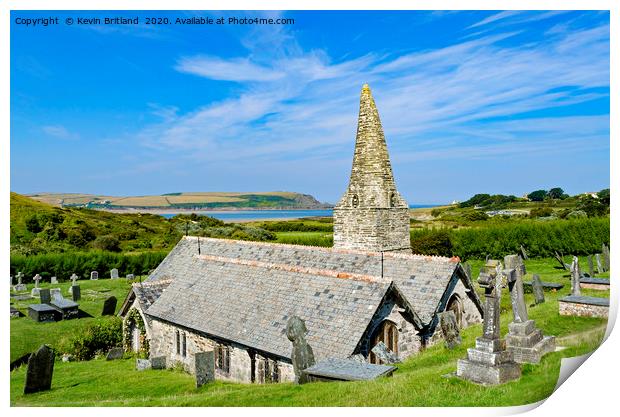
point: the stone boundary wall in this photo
(582, 310)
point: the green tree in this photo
(556, 193)
(604, 196)
(538, 195)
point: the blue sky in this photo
(471, 102)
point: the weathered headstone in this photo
(45, 295)
(115, 353)
(523, 253)
(109, 306)
(74, 279)
(384, 354)
(606, 260)
(75, 293)
(526, 343)
(599, 266)
(302, 355)
(575, 276)
(489, 362)
(143, 364)
(53, 280)
(94, 275)
(450, 329)
(40, 370)
(113, 273)
(561, 260)
(158, 362)
(20, 285)
(590, 266)
(130, 276)
(204, 367)
(538, 289)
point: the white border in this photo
(590, 391)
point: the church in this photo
(235, 297)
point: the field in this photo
(419, 381)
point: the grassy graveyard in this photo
(419, 381)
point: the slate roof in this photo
(246, 291)
(146, 293)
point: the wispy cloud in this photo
(59, 131)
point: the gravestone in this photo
(560, 259)
(76, 294)
(143, 364)
(384, 354)
(338, 369)
(130, 276)
(94, 275)
(158, 362)
(523, 253)
(45, 295)
(204, 367)
(109, 306)
(575, 286)
(115, 353)
(40, 370)
(20, 285)
(467, 269)
(74, 279)
(606, 259)
(15, 312)
(590, 266)
(43, 313)
(302, 355)
(53, 280)
(599, 266)
(35, 291)
(538, 289)
(489, 363)
(450, 329)
(68, 308)
(114, 273)
(526, 342)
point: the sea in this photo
(254, 215)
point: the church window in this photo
(355, 201)
(222, 359)
(392, 200)
(184, 345)
(178, 340)
(388, 334)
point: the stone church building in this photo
(235, 297)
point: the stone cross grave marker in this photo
(74, 279)
(590, 266)
(450, 329)
(538, 290)
(94, 275)
(599, 266)
(384, 354)
(514, 272)
(114, 273)
(606, 259)
(109, 306)
(45, 295)
(20, 285)
(302, 355)
(492, 284)
(575, 283)
(40, 370)
(36, 280)
(204, 367)
(20, 276)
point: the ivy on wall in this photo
(135, 318)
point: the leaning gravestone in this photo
(489, 362)
(302, 355)
(449, 329)
(114, 273)
(45, 295)
(384, 354)
(40, 370)
(599, 266)
(575, 277)
(115, 353)
(590, 266)
(606, 260)
(109, 306)
(526, 342)
(94, 275)
(204, 367)
(538, 289)
(53, 280)
(75, 293)
(523, 253)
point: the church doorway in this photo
(135, 338)
(388, 334)
(456, 306)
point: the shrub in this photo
(475, 215)
(577, 214)
(97, 338)
(107, 243)
(432, 242)
(541, 212)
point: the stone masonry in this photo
(371, 215)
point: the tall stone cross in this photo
(73, 279)
(491, 281)
(20, 276)
(574, 270)
(514, 272)
(36, 280)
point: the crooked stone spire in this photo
(371, 214)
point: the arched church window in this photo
(388, 334)
(355, 201)
(393, 200)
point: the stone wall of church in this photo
(371, 228)
(163, 343)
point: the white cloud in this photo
(59, 131)
(236, 69)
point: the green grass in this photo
(419, 381)
(27, 335)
